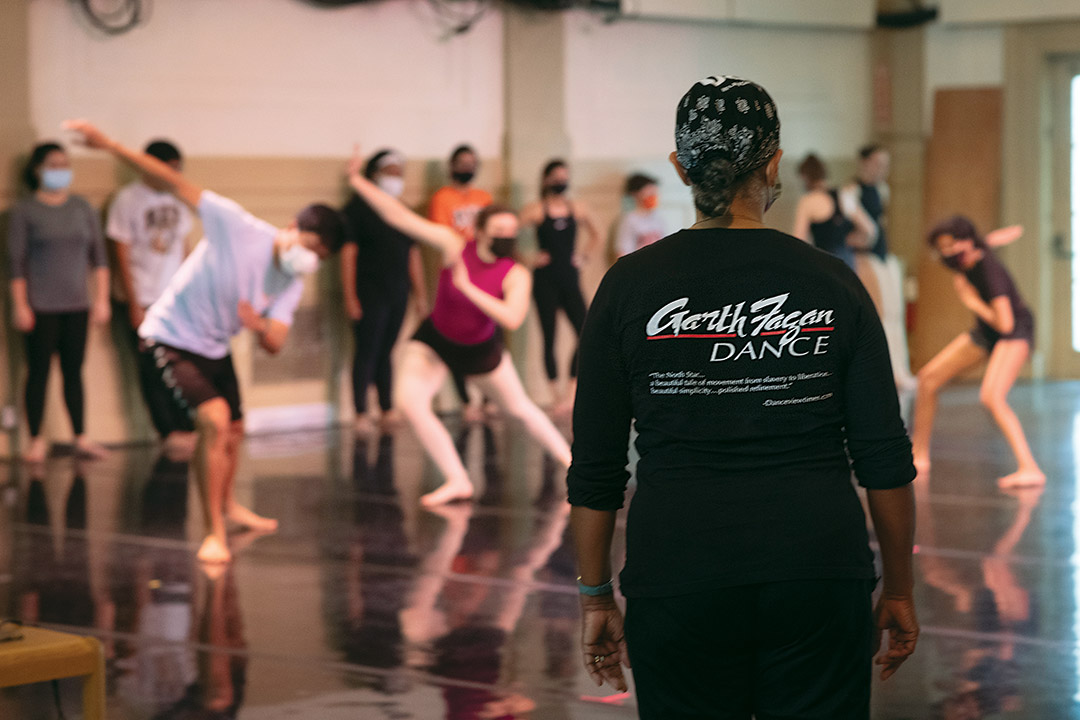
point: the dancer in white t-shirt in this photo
(643, 225)
(245, 273)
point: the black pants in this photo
(557, 288)
(63, 334)
(374, 337)
(797, 650)
(164, 412)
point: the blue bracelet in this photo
(593, 590)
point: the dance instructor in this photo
(746, 360)
(481, 290)
(246, 273)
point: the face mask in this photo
(954, 261)
(558, 188)
(392, 185)
(463, 178)
(503, 247)
(56, 178)
(774, 195)
(298, 260)
(651, 202)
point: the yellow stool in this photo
(43, 655)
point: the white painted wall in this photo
(624, 80)
(273, 77)
(959, 56)
(995, 11)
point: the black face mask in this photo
(463, 178)
(558, 188)
(503, 247)
(954, 262)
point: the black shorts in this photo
(194, 378)
(463, 360)
(1023, 329)
(796, 650)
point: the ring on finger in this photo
(597, 659)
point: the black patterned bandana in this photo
(726, 117)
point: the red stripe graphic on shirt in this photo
(731, 335)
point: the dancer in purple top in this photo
(481, 291)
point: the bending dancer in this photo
(1004, 332)
(480, 289)
(556, 280)
(246, 273)
(54, 240)
(832, 221)
(378, 265)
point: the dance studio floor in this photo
(365, 606)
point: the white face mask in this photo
(298, 260)
(392, 185)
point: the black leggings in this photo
(554, 288)
(798, 650)
(63, 333)
(374, 337)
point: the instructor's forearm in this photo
(592, 530)
(893, 512)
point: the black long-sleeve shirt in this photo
(747, 361)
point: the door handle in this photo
(1060, 247)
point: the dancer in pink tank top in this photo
(481, 291)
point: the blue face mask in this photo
(298, 260)
(56, 178)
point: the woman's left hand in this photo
(101, 313)
(603, 644)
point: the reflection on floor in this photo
(366, 606)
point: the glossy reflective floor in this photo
(366, 606)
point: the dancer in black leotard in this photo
(829, 220)
(556, 280)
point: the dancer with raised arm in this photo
(245, 273)
(481, 291)
(1004, 333)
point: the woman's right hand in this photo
(603, 644)
(895, 614)
(24, 318)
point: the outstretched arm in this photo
(177, 184)
(1004, 236)
(442, 238)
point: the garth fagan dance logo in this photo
(766, 329)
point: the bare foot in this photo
(240, 515)
(84, 447)
(472, 414)
(363, 425)
(39, 448)
(1023, 478)
(213, 550)
(448, 492)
